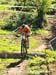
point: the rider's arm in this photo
(17, 30)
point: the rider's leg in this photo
(27, 42)
(22, 43)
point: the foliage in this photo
(37, 61)
(5, 62)
(40, 31)
(18, 2)
(8, 43)
(10, 21)
(4, 32)
(4, 7)
(16, 19)
(39, 20)
(2, 22)
(51, 54)
(34, 43)
(42, 7)
(11, 43)
(38, 65)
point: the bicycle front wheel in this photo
(23, 48)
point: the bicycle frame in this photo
(24, 47)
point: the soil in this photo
(51, 68)
(20, 69)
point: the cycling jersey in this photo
(26, 29)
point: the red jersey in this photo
(26, 29)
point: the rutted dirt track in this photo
(20, 69)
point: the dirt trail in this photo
(42, 46)
(20, 69)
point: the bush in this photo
(11, 21)
(17, 19)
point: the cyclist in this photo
(25, 33)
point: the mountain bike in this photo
(24, 46)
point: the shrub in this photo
(16, 19)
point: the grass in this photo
(49, 53)
(5, 62)
(4, 32)
(2, 22)
(10, 43)
(13, 44)
(53, 5)
(35, 65)
(41, 31)
(38, 64)
(34, 43)
(4, 7)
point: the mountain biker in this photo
(25, 32)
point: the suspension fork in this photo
(22, 46)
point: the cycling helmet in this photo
(23, 25)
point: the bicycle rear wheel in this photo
(23, 48)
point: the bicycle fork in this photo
(23, 48)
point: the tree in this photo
(42, 7)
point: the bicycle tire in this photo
(23, 48)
